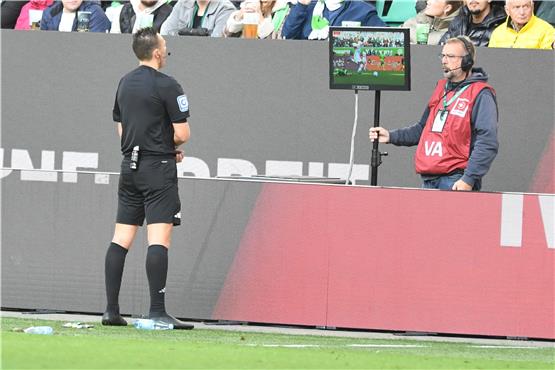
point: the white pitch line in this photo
(508, 347)
(386, 345)
(346, 345)
(285, 345)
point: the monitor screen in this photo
(369, 58)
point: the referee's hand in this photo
(179, 155)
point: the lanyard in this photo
(448, 103)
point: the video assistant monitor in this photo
(369, 58)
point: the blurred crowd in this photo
(505, 24)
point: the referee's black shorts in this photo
(150, 190)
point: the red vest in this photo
(445, 147)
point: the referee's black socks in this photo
(113, 271)
(157, 272)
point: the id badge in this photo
(439, 120)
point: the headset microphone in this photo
(454, 69)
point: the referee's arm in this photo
(181, 133)
(120, 129)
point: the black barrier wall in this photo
(256, 107)
(55, 237)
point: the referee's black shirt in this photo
(147, 103)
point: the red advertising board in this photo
(396, 259)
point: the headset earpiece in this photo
(468, 60)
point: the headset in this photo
(468, 60)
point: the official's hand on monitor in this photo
(382, 132)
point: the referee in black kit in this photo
(151, 112)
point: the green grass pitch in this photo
(129, 348)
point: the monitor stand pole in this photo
(376, 158)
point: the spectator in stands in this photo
(112, 11)
(546, 11)
(62, 16)
(438, 14)
(210, 15)
(23, 20)
(522, 29)
(10, 12)
(310, 19)
(420, 5)
(133, 14)
(395, 12)
(280, 12)
(105, 4)
(477, 20)
(272, 14)
(457, 134)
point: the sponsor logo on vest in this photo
(461, 107)
(433, 148)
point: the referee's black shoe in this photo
(113, 319)
(169, 319)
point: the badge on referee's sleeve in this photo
(183, 103)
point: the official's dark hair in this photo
(144, 42)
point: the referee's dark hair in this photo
(144, 42)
